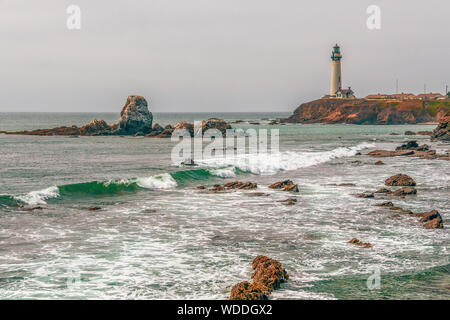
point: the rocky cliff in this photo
(442, 131)
(362, 111)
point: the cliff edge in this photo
(363, 111)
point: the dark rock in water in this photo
(30, 209)
(218, 124)
(289, 201)
(357, 242)
(268, 274)
(394, 134)
(387, 153)
(405, 191)
(156, 130)
(442, 131)
(366, 195)
(135, 117)
(234, 185)
(400, 180)
(410, 133)
(347, 184)
(201, 187)
(94, 208)
(412, 145)
(403, 211)
(286, 185)
(96, 127)
(212, 123)
(431, 219)
(383, 190)
(385, 204)
(247, 291)
(425, 133)
(379, 163)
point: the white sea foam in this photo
(272, 163)
(229, 172)
(162, 181)
(39, 197)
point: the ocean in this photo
(157, 236)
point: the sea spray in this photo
(282, 161)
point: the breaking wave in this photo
(215, 168)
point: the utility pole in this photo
(396, 86)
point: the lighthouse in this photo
(336, 77)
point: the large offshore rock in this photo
(135, 117)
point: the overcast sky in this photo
(214, 55)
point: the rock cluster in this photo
(213, 123)
(430, 220)
(411, 149)
(135, 120)
(268, 274)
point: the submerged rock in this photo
(357, 242)
(404, 191)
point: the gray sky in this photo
(214, 55)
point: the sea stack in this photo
(135, 117)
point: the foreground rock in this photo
(400, 180)
(362, 111)
(286, 185)
(442, 131)
(431, 220)
(247, 291)
(268, 275)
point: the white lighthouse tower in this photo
(336, 77)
